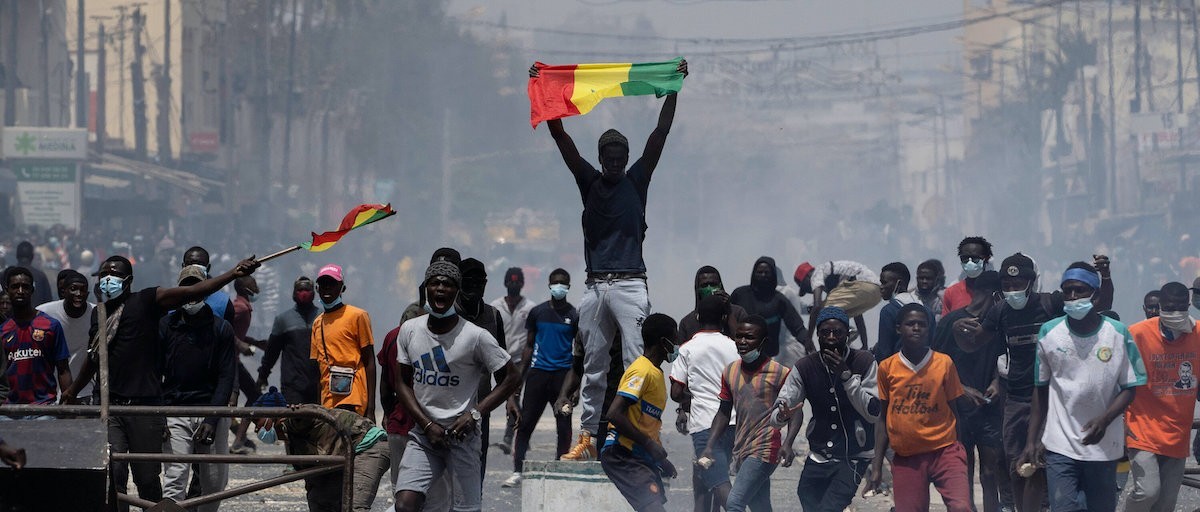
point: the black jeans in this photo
(830, 487)
(541, 389)
(137, 435)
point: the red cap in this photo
(331, 270)
(802, 271)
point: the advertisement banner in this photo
(48, 193)
(35, 143)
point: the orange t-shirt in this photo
(1160, 418)
(955, 297)
(919, 418)
(338, 338)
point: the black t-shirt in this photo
(776, 310)
(1019, 328)
(614, 220)
(975, 369)
(135, 354)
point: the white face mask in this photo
(192, 308)
(1178, 321)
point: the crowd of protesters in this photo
(1039, 395)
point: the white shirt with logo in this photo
(1085, 372)
(701, 362)
(447, 367)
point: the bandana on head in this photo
(444, 269)
(1082, 275)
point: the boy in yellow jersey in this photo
(633, 457)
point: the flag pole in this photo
(270, 257)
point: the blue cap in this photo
(272, 398)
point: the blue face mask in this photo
(330, 305)
(252, 297)
(559, 291)
(751, 356)
(1078, 308)
(111, 287)
(267, 435)
(1017, 300)
(449, 312)
(673, 354)
(973, 268)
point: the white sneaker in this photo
(512, 481)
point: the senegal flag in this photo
(361, 215)
(574, 89)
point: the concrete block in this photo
(548, 486)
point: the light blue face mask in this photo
(674, 353)
(253, 297)
(449, 312)
(751, 356)
(559, 291)
(111, 287)
(267, 435)
(1078, 308)
(973, 268)
(1017, 300)
(330, 305)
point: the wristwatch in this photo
(846, 375)
(475, 415)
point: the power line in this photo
(793, 44)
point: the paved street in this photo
(783, 483)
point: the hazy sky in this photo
(727, 18)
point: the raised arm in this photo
(1104, 296)
(171, 298)
(566, 147)
(658, 137)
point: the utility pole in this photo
(81, 92)
(1196, 47)
(1137, 98)
(138, 82)
(1137, 57)
(287, 100)
(10, 65)
(45, 93)
(121, 9)
(1111, 178)
(101, 90)
(163, 124)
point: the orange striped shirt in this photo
(753, 392)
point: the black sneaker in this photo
(504, 447)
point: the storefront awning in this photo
(113, 171)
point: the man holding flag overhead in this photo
(614, 210)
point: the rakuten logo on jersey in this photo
(432, 369)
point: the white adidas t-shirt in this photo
(701, 362)
(447, 367)
(76, 330)
(1085, 373)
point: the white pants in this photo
(606, 307)
(176, 475)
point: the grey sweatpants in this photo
(1154, 482)
(176, 475)
(606, 307)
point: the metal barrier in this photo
(325, 463)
